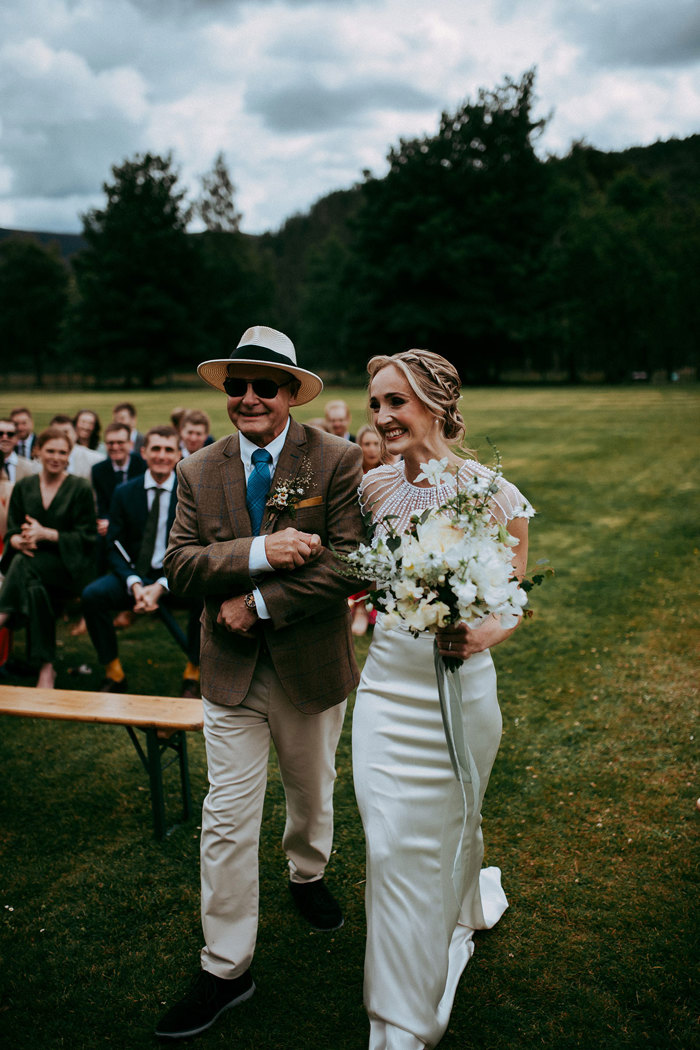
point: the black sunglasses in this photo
(7, 433)
(265, 388)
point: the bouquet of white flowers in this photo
(453, 563)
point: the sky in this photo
(301, 96)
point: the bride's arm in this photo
(461, 641)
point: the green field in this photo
(590, 811)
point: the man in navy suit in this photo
(141, 513)
(24, 424)
(122, 464)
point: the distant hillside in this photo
(68, 243)
(676, 162)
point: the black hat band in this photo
(261, 353)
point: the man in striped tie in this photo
(259, 514)
(141, 513)
(24, 425)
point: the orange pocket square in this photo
(312, 501)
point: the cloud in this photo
(649, 33)
(302, 95)
(309, 106)
(64, 121)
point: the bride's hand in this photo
(460, 641)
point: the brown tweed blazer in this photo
(308, 635)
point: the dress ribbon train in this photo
(426, 891)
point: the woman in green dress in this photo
(49, 550)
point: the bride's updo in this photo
(433, 380)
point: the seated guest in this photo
(369, 441)
(194, 431)
(12, 469)
(9, 472)
(22, 418)
(8, 446)
(125, 412)
(176, 416)
(140, 516)
(15, 466)
(337, 415)
(319, 423)
(5, 493)
(122, 464)
(81, 460)
(87, 429)
(49, 550)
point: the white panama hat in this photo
(264, 346)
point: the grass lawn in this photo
(590, 811)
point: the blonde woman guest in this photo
(370, 444)
(49, 549)
(369, 441)
(426, 893)
(81, 459)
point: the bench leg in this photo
(153, 764)
(155, 775)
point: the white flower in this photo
(464, 591)
(407, 588)
(438, 534)
(435, 472)
(423, 615)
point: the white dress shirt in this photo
(11, 466)
(150, 484)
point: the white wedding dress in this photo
(426, 891)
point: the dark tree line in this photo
(470, 245)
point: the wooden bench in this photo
(164, 720)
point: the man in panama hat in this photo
(258, 513)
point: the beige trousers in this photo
(238, 746)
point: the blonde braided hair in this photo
(434, 381)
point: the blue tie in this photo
(258, 487)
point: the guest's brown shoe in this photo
(110, 686)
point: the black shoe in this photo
(110, 686)
(207, 998)
(317, 904)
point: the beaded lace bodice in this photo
(386, 491)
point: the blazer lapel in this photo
(172, 507)
(291, 458)
(234, 487)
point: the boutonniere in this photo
(288, 494)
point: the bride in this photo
(426, 891)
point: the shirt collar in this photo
(274, 448)
(149, 482)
